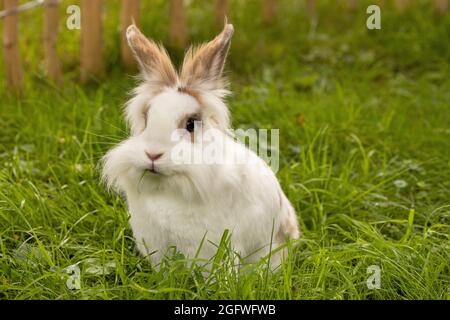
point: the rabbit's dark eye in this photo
(190, 124)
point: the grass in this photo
(365, 159)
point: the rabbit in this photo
(183, 205)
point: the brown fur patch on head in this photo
(152, 58)
(192, 92)
(203, 65)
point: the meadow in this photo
(364, 120)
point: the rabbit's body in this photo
(243, 198)
(175, 204)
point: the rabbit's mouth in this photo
(152, 170)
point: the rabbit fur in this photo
(182, 204)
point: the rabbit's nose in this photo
(153, 156)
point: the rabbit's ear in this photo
(203, 65)
(152, 58)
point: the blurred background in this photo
(275, 35)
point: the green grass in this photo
(364, 119)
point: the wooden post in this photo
(311, 7)
(221, 11)
(50, 35)
(401, 5)
(91, 39)
(14, 73)
(129, 14)
(269, 11)
(441, 6)
(352, 4)
(178, 34)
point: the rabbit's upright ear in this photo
(153, 59)
(203, 65)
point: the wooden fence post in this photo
(269, 11)
(178, 34)
(129, 14)
(311, 7)
(441, 6)
(50, 35)
(401, 5)
(221, 11)
(14, 73)
(91, 39)
(352, 4)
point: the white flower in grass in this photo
(400, 184)
(96, 267)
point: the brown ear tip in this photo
(228, 30)
(131, 31)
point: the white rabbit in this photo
(179, 204)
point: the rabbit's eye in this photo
(190, 124)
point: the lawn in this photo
(364, 120)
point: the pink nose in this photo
(154, 156)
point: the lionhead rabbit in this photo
(181, 204)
